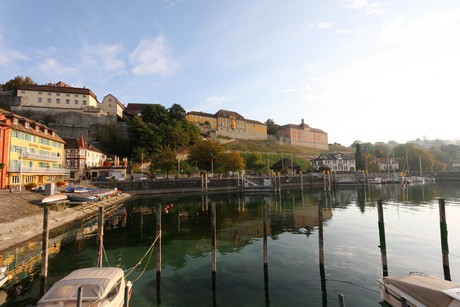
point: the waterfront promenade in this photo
(21, 218)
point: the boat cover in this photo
(96, 282)
(426, 289)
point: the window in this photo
(84, 102)
(58, 100)
(76, 95)
(39, 93)
(76, 101)
(49, 94)
(49, 100)
(27, 125)
(39, 99)
(23, 92)
(67, 101)
(58, 94)
(67, 95)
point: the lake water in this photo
(293, 275)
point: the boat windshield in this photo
(71, 291)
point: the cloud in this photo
(321, 25)
(51, 67)
(153, 57)
(9, 56)
(364, 7)
(105, 56)
(211, 103)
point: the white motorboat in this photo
(101, 286)
(419, 290)
(3, 276)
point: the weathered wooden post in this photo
(383, 247)
(322, 271)
(341, 300)
(213, 250)
(100, 234)
(444, 242)
(79, 296)
(158, 248)
(44, 259)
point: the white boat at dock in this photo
(3, 276)
(419, 290)
(54, 198)
(101, 286)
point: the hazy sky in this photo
(359, 70)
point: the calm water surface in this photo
(293, 275)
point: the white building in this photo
(336, 162)
(112, 106)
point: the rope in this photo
(150, 250)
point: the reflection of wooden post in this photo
(158, 248)
(79, 296)
(383, 247)
(213, 250)
(265, 247)
(444, 242)
(100, 234)
(322, 271)
(341, 300)
(301, 181)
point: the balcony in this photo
(40, 170)
(35, 156)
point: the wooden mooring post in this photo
(44, 258)
(158, 249)
(383, 247)
(213, 251)
(100, 235)
(444, 242)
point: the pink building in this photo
(303, 135)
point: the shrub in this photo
(30, 186)
(60, 183)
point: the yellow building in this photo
(230, 124)
(35, 152)
(57, 97)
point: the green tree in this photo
(176, 112)
(272, 128)
(205, 154)
(164, 161)
(155, 114)
(231, 161)
(254, 162)
(112, 140)
(14, 84)
(142, 139)
(359, 158)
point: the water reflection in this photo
(294, 248)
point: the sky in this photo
(360, 70)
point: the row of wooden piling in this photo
(443, 231)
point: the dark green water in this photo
(293, 275)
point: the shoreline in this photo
(28, 223)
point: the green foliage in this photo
(14, 84)
(359, 158)
(231, 161)
(272, 128)
(176, 112)
(163, 161)
(206, 155)
(112, 140)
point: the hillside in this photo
(273, 147)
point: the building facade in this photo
(31, 152)
(303, 135)
(387, 165)
(229, 124)
(57, 97)
(112, 106)
(336, 162)
(81, 156)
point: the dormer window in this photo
(53, 133)
(37, 128)
(45, 131)
(15, 121)
(27, 125)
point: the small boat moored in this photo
(101, 286)
(419, 290)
